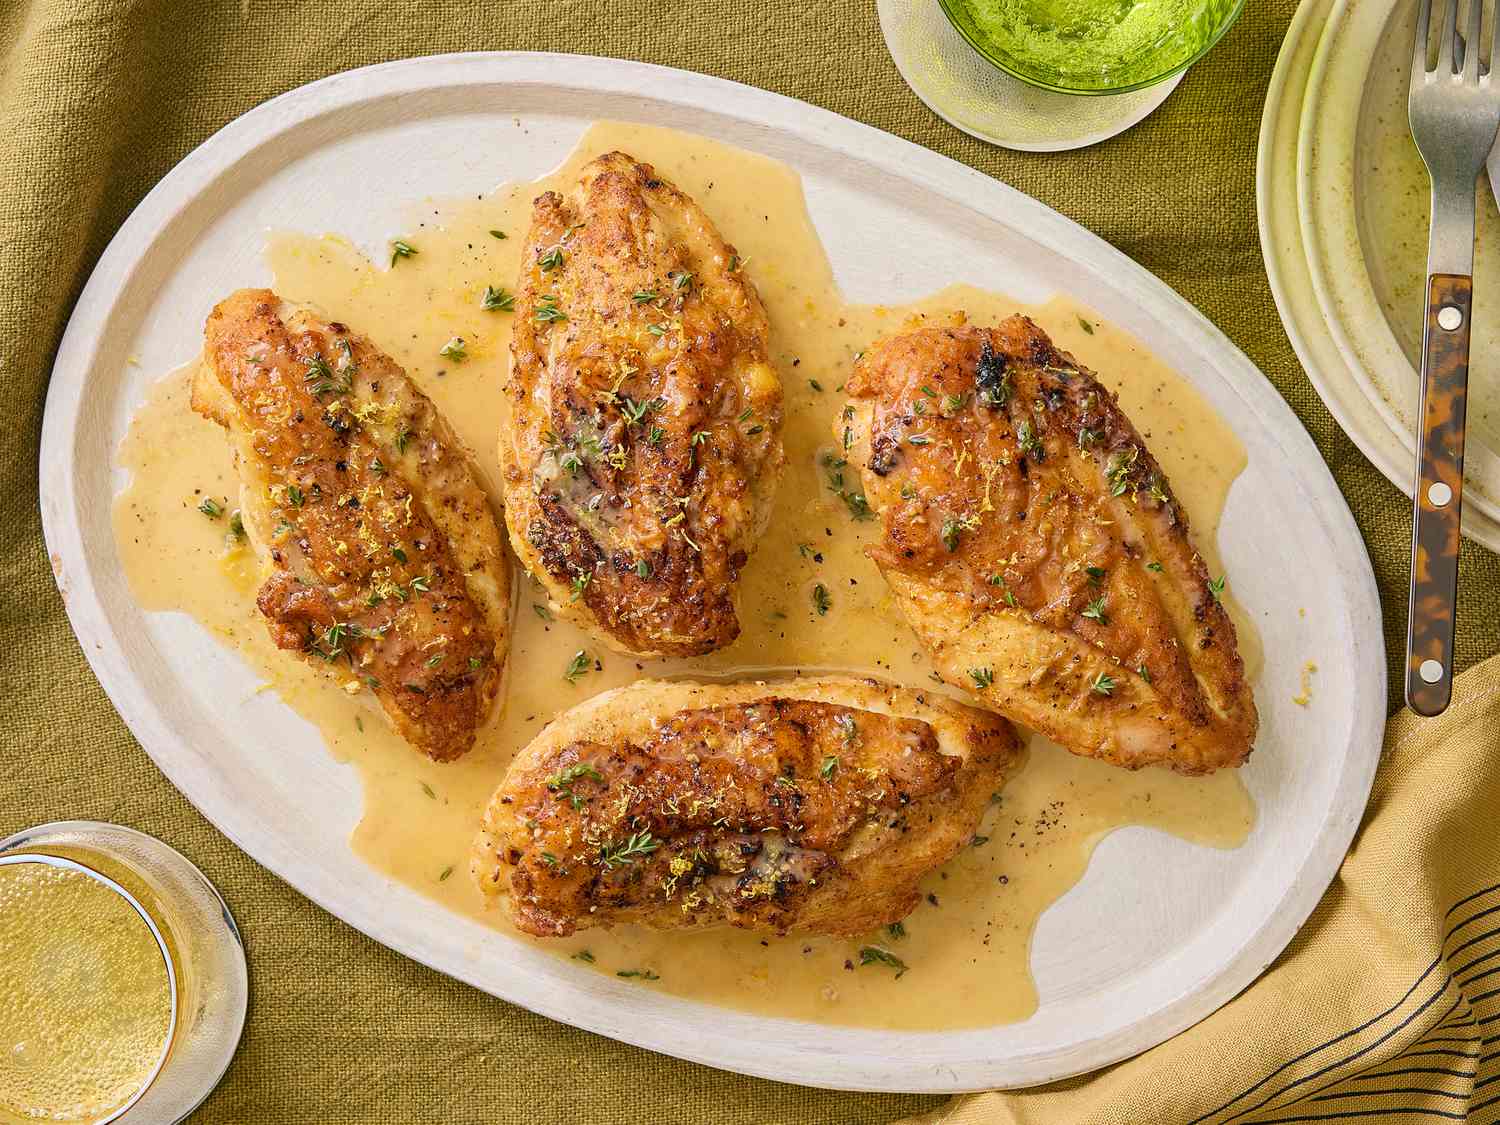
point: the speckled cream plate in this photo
(1343, 213)
(1187, 927)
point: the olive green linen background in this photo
(100, 98)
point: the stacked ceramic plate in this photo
(1343, 222)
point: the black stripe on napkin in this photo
(1467, 1019)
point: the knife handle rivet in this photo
(1440, 494)
(1430, 671)
(1449, 317)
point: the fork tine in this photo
(1489, 58)
(1424, 25)
(1471, 42)
(1445, 40)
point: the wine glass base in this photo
(968, 92)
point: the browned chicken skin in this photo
(1037, 549)
(385, 560)
(814, 805)
(640, 439)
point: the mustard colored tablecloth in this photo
(98, 100)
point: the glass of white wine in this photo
(122, 978)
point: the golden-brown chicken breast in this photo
(813, 805)
(641, 430)
(385, 561)
(1037, 549)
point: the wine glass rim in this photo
(47, 860)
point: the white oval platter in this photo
(1157, 935)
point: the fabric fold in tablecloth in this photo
(1386, 1006)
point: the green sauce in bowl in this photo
(1092, 46)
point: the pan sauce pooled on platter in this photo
(810, 598)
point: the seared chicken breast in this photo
(385, 561)
(1037, 550)
(812, 805)
(641, 430)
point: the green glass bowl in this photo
(1092, 46)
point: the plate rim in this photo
(920, 167)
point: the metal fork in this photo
(1455, 113)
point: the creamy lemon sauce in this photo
(966, 946)
(85, 1003)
